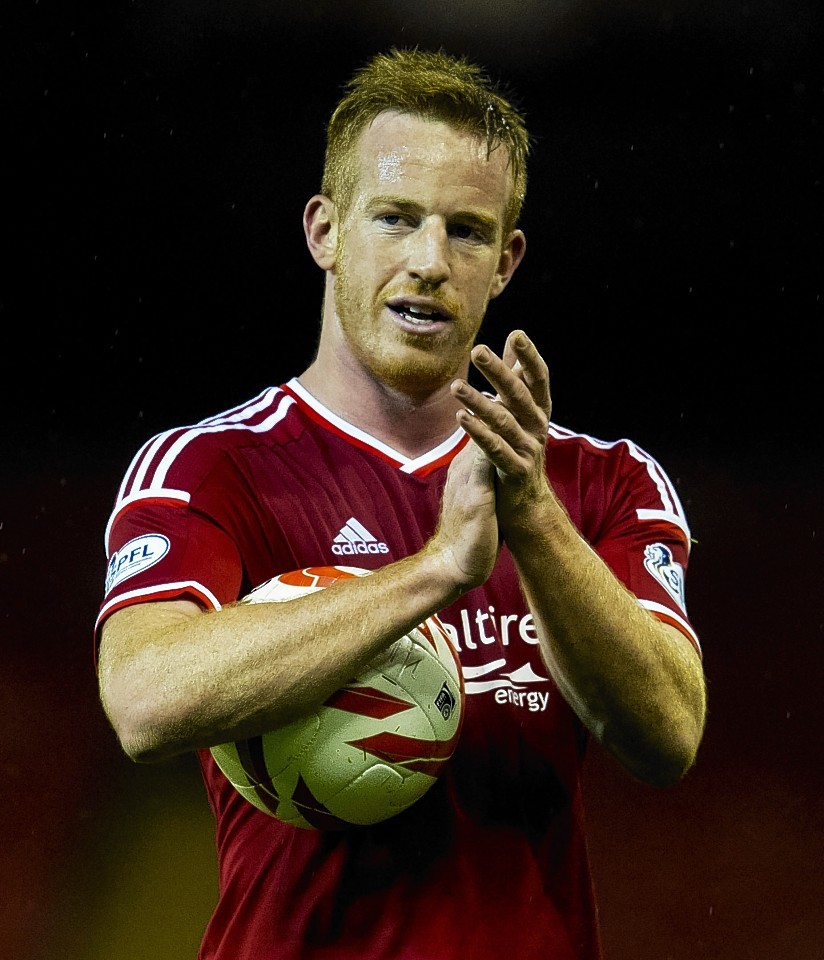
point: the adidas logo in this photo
(355, 538)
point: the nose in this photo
(428, 257)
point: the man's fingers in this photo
(522, 357)
(514, 389)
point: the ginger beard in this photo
(403, 360)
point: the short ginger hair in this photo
(433, 85)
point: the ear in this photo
(320, 225)
(511, 255)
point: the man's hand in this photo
(467, 534)
(510, 429)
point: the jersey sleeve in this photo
(166, 542)
(644, 537)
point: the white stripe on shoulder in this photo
(244, 410)
(666, 515)
(671, 509)
(149, 457)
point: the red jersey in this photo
(492, 860)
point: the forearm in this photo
(635, 682)
(174, 679)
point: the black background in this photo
(158, 159)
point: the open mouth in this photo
(419, 314)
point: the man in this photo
(557, 561)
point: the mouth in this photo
(419, 312)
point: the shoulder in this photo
(614, 473)
(181, 456)
(601, 454)
(587, 444)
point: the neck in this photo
(410, 424)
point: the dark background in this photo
(158, 157)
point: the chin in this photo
(419, 373)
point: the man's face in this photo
(420, 252)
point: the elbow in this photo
(140, 741)
(674, 737)
(660, 753)
(668, 767)
(669, 757)
(143, 747)
(657, 767)
(143, 732)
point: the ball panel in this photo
(294, 742)
(309, 813)
(243, 766)
(365, 701)
(376, 794)
(431, 681)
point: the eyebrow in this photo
(479, 220)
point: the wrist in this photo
(534, 518)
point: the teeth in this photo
(416, 312)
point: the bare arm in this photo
(635, 682)
(173, 678)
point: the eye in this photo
(466, 231)
(462, 230)
(394, 219)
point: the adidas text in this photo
(347, 549)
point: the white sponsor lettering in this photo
(349, 549)
(484, 631)
(534, 700)
(484, 628)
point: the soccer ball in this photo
(374, 747)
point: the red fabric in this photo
(492, 861)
